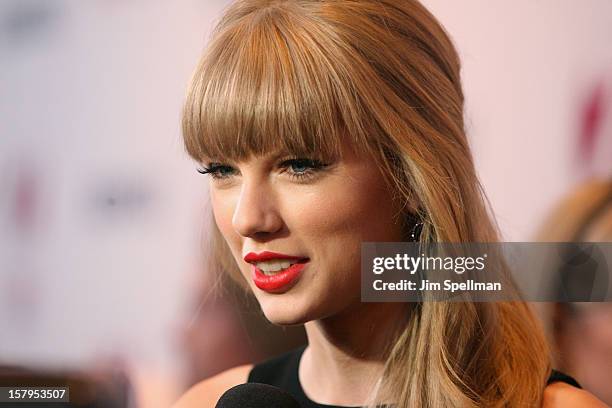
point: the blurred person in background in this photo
(104, 384)
(581, 333)
(229, 329)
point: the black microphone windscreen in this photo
(255, 395)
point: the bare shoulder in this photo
(206, 393)
(562, 395)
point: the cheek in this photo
(335, 218)
(223, 211)
(355, 209)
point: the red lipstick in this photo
(280, 281)
(267, 255)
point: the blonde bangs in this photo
(266, 85)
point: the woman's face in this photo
(318, 213)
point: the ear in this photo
(413, 226)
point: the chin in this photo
(283, 312)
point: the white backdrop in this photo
(529, 69)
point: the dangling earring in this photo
(415, 233)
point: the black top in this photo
(282, 372)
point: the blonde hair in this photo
(584, 214)
(307, 77)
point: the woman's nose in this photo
(256, 211)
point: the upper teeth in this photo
(273, 266)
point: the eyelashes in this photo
(298, 169)
(216, 170)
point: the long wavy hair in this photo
(306, 77)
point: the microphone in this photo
(256, 395)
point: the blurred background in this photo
(103, 216)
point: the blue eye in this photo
(301, 166)
(217, 171)
(302, 169)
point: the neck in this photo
(346, 352)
